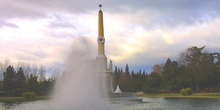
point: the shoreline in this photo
(139, 94)
(8, 99)
(178, 95)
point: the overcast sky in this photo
(140, 33)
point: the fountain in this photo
(79, 87)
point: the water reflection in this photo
(147, 104)
(174, 104)
(10, 104)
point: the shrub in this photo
(187, 91)
(183, 91)
(29, 95)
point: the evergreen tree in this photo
(127, 70)
(46, 86)
(133, 76)
(152, 83)
(9, 79)
(138, 81)
(126, 83)
(20, 78)
(32, 84)
(115, 78)
(170, 74)
(143, 79)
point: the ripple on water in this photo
(147, 104)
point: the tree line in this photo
(195, 68)
(17, 82)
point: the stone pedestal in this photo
(124, 96)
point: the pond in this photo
(147, 104)
(174, 104)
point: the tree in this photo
(170, 74)
(3, 67)
(155, 79)
(152, 83)
(127, 70)
(115, 78)
(126, 83)
(42, 73)
(46, 86)
(20, 78)
(32, 84)
(199, 65)
(9, 79)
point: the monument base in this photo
(124, 96)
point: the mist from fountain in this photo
(80, 87)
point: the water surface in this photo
(147, 104)
(174, 104)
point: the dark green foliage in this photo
(32, 84)
(29, 95)
(127, 70)
(14, 84)
(46, 86)
(20, 79)
(147, 90)
(9, 79)
(125, 82)
(152, 83)
(16, 92)
(139, 79)
(170, 72)
(115, 78)
(199, 67)
(155, 80)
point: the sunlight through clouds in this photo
(140, 33)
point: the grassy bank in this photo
(194, 95)
(4, 99)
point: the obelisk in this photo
(101, 57)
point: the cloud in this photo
(149, 47)
(17, 9)
(35, 8)
(7, 24)
(137, 32)
(61, 25)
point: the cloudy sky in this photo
(141, 33)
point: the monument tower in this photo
(107, 73)
(101, 58)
